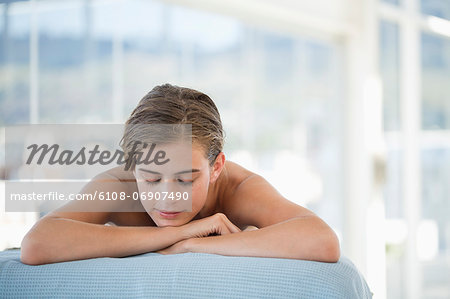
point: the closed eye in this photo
(153, 182)
(184, 182)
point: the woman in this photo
(234, 211)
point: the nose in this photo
(171, 196)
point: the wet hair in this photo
(174, 105)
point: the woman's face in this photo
(186, 174)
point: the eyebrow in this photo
(180, 172)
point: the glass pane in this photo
(75, 66)
(396, 229)
(389, 65)
(434, 229)
(14, 65)
(435, 82)
(438, 8)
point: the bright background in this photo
(344, 105)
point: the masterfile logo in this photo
(91, 157)
(49, 166)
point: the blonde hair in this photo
(174, 105)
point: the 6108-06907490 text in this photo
(57, 196)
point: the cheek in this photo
(199, 194)
(147, 204)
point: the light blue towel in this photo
(188, 275)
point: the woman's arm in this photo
(55, 239)
(65, 235)
(307, 238)
(287, 230)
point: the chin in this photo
(165, 223)
(162, 222)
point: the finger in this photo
(224, 230)
(231, 227)
(227, 227)
(218, 224)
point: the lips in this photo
(168, 214)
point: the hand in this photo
(194, 244)
(217, 224)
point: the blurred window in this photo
(433, 235)
(437, 8)
(280, 95)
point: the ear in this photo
(217, 167)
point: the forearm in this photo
(306, 238)
(56, 240)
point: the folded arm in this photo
(305, 238)
(286, 230)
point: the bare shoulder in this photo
(119, 174)
(235, 174)
(252, 200)
(126, 183)
(112, 180)
(232, 177)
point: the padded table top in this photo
(187, 275)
